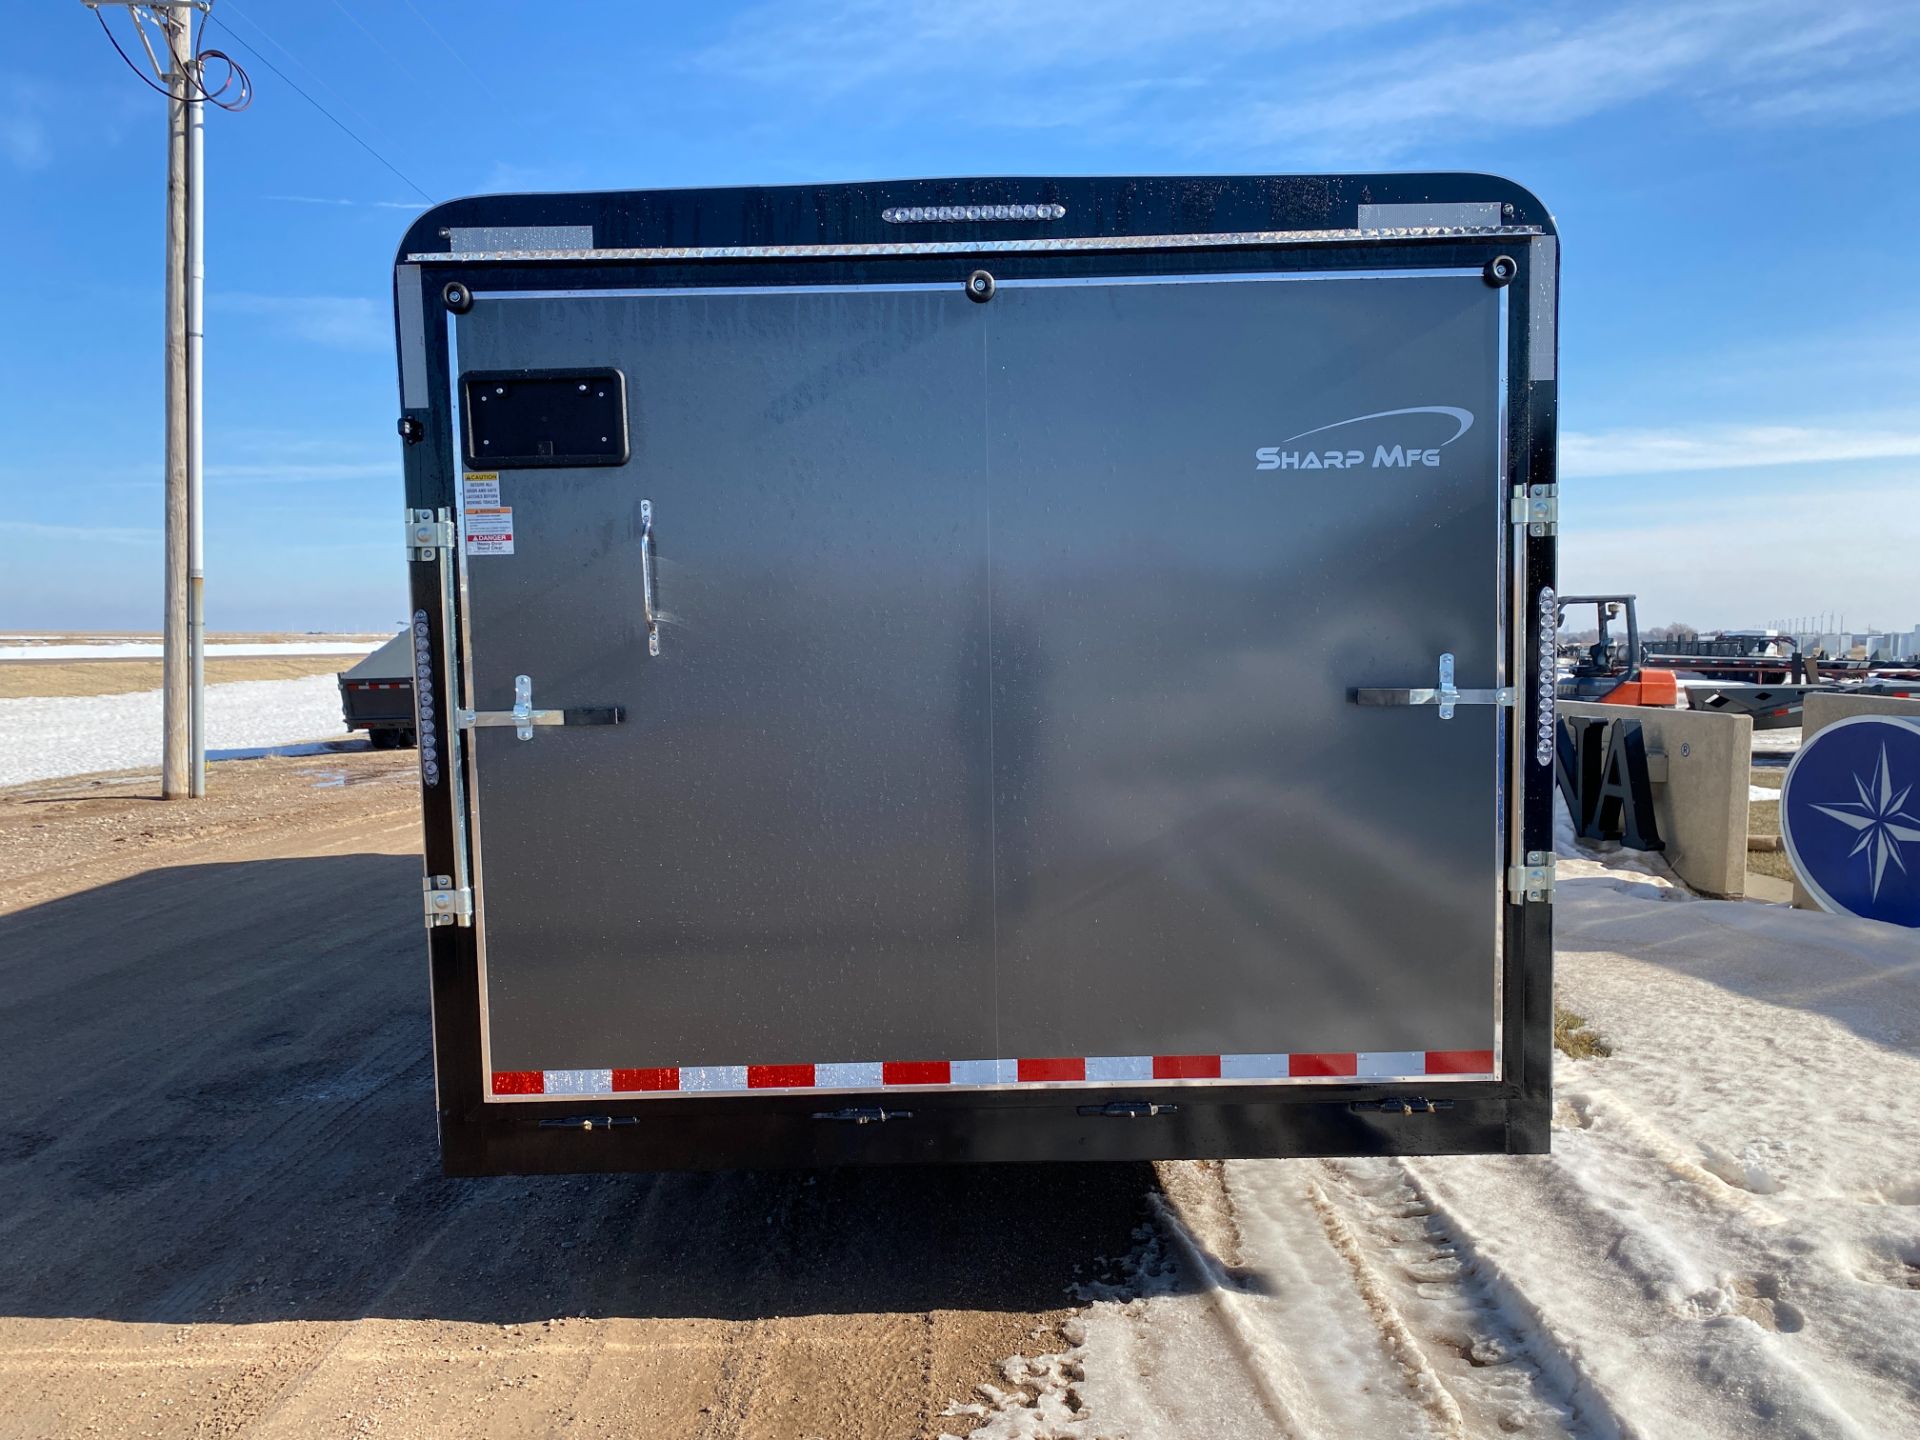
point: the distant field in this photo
(70, 678)
(217, 637)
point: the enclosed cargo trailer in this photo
(997, 669)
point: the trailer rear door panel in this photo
(1002, 705)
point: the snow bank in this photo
(42, 738)
(150, 650)
(1724, 1243)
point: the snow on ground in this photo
(150, 650)
(1776, 742)
(1725, 1241)
(42, 738)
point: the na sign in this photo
(1850, 817)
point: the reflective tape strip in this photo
(1064, 1067)
(1322, 1063)
(1380, 1064)
(1032, 1070)
(1459, 1062)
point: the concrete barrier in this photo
(1822, 709)
(1701, 764)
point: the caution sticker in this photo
(489, 530)
(481, 490)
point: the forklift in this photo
(1609, 671)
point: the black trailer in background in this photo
(984, 669)
(377, 694)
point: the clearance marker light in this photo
(927, 214)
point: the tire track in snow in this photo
(1501, 1370)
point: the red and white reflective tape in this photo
(1058, 1070)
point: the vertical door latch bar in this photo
(646, 577)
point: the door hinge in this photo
(445, 903)
(1533, 880)
(428, 534)
(1537, 507)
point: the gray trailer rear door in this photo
(1001, 730)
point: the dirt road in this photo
(222, 1212)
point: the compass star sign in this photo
(1880, 819)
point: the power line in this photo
(379, 44)
(344, 128)
(434, 31)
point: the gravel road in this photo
(223, 1213)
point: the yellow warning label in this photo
(483, 474)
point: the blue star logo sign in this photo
(1850, 817)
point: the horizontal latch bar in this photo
(578, 715)
(1128, 1109)
(1503, 696)
(1445, 695)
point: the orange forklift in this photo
(1609, 671)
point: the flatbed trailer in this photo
(984, 669)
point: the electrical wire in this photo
(236, 77)
(343, 127)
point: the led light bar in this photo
(1544, 736)
(928, 214)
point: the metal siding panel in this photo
(1203, 847)
(784, 852)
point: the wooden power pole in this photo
(176, 670)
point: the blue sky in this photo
(1735, 186)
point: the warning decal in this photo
(481, 490)
(489, 531)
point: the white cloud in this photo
(279, 472)
(1728, 447)
(1329, 81)
(347, 322)
(92, 534)
(1709, 560)
(976, 44)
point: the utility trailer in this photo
(993, 669)
(377, 694)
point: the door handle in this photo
(523, 717)
(646, 578)
(1445, 695)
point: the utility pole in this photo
(183, 630)
(176, 669)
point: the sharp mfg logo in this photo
(1398, 456)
